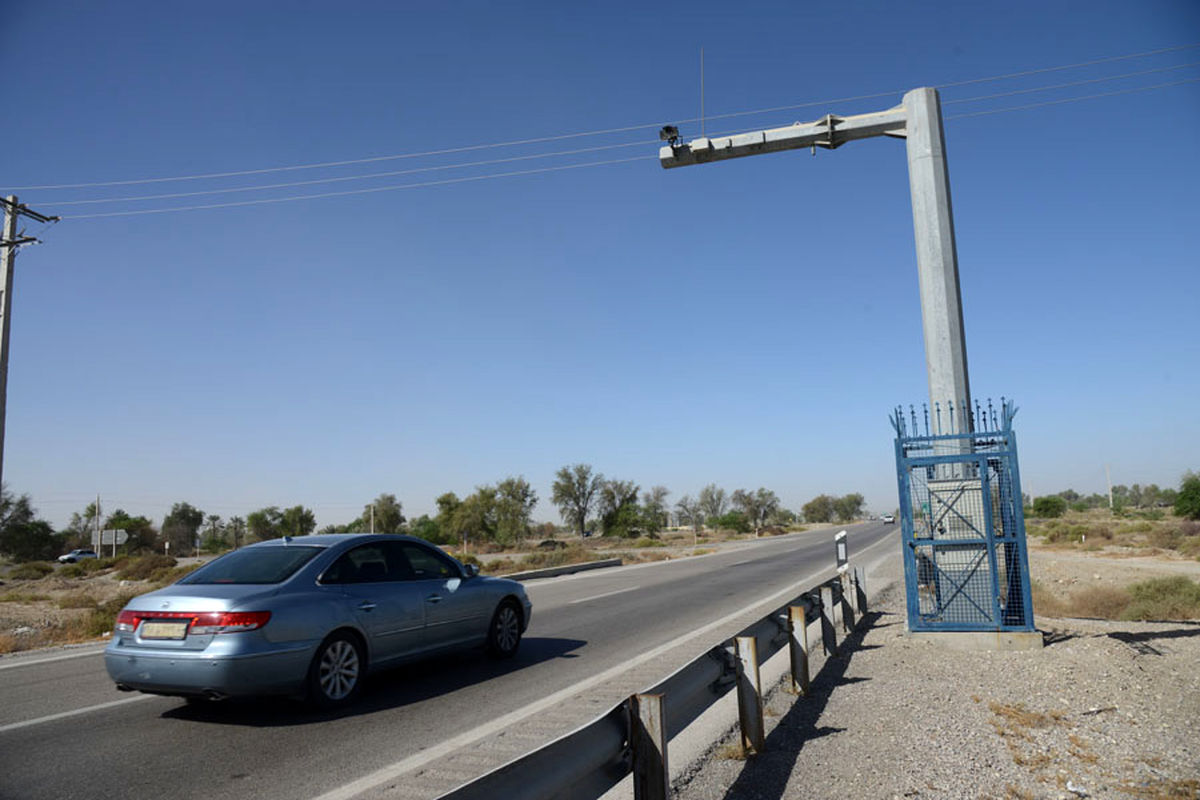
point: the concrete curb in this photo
(550, 572)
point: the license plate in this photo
(164, 630)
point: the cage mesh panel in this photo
(959, 505)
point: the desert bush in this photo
(72, 570)
(31, 571)
(23, 597)
(1051, 506)
(1177, 597)
(104, 616)
(647, 541)
(1166, 538)
(144, 567)
(77, 600)
(1103, 602)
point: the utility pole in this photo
(918, 120)
(8, 258)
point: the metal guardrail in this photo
(632, 736)
(566, 569)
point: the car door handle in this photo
(366, 605)
(433, 598)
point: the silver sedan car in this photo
(310, 616)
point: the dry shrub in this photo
(144, 567)
(23, 597)
(31, 571)
(77, 600)
(1104, 602)
(8, 643)
(1177, 597)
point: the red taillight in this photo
(229, 622)
(199, 623)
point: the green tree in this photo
(848, 507)
(1187, 499)
(1049, 506)
(713, 501)
(140, 532)
(575, 489)
(689, 512)
(265, 523)
(515, 500)
(181, 526)
(427, 528)
(24, 537)
(756, 505)
(474, 519)
(618, 509)
(81, 530)
(389, 516)
(297, 521)
(237, 531)
(732, 521)
(655, 515)
(819, 509)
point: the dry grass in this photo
(1160, 789)
(80, 599)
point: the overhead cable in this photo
(599, 132)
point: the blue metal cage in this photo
(962, 523)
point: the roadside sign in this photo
(120, 536)
(843, 557)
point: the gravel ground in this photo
(1105, 710)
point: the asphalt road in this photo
(65, 732)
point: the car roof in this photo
(331, 539)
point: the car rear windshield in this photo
(254, 565)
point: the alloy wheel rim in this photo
(338, 673)
(507, 629)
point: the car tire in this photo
(337, 671)
(504, 633)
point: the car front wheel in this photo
(337, 671)
(504, 635)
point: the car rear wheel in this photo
(337, 671)
(504, 635)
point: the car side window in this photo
(428, 564)
(377, 562)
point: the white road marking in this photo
(606, 594)
(74, 713)
(28, 662)
(417, 760)
(743, 561)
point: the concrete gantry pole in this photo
(937, 256)
(919, 120)
(8, 257)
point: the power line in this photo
(598, 132)
(371, 190)
(1072, 99)
(516, 173)
(365, 176)
(1071, 84)
(554, 154)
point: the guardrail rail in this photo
(632, 736)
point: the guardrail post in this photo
(798, 648)
(860, 589)
(828, 631)
(648, 743)
(749, 694)
(849, 599)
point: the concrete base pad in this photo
(982, 640)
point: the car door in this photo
(457, 611)
(388, 607)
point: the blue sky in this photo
(749, 323)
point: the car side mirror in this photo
(470, 570)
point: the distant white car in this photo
(77, 555)
(889, 518)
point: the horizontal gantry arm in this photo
(830, 131)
